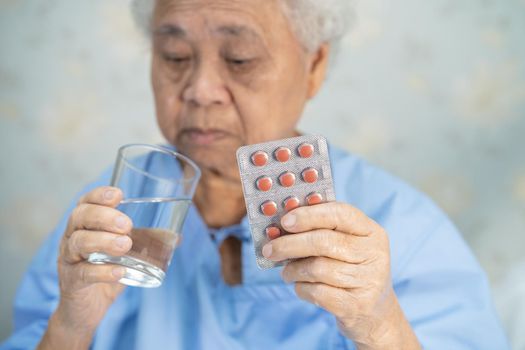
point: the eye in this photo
(237, 61)
(240, 65)
(177, 60)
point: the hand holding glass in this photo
(158, 185)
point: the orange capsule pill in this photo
(269, 208)
(306, 150)
(283, 154)
(310, 175)
(287, 179)
(314, 198)
(264, 184)
(291, 203)
(272, 232)
(260, 158)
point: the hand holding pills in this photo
(341, 262)
(338, 258)
(280, 176)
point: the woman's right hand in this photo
(88, 290)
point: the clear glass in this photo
(158, 185)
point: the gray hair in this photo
(314, 22)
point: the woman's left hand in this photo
(343, 266)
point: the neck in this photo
(219, 200)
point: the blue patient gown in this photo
(442, 289)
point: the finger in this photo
(99, 218)
(323, 270)
(104, 195)
(87, 273)
(335, 216)
(83, 242)
(339, 302)
(327, 243)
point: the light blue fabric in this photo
(442, 289)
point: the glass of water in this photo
(158, 185)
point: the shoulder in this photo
(49, 246)
(410, 217)
(360, 182)
(375, 191)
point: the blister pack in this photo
(279, 176)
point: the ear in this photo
(317, 69)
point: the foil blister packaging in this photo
(277, 177)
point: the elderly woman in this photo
(388, 271)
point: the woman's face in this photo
(226, 73)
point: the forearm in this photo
(59, 336)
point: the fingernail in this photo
(267, 250)
(122, 242)
(121, 222)
(109, 194)
(118, 272)
(289, 221)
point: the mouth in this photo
(203, 137)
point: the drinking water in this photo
(157, 224)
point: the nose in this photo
(206, 87)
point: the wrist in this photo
(390, 331)
(61, 334)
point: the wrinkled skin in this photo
(227, 73)
(343, 265)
